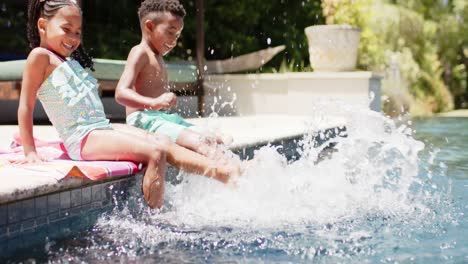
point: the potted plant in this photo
(333, 47)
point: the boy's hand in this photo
(166, 101)
(31, 157)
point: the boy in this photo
(143, 87)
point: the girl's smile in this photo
(62, 32)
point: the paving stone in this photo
(28, 209)
(76, 198)
(41, 205)
(86, 196)
(65, 200)
(14, 212)
(3, 215)
(53, 203)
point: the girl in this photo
(69, 96)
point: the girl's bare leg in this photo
(183, 158)
(117, 145)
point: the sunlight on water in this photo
(367, 200)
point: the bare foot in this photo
(224, 172)
(224, 139)
(153, 190)
(248, 164)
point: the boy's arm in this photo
(125, 95)
(33, 76)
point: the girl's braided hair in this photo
(47, 9)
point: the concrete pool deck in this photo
(455, 113)
(34, 210)
(247, 132)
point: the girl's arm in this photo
(125, 95)
(33, 76)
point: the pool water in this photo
(392, 191)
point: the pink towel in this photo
(59, 165)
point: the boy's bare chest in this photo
(153, 79)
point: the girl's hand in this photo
(31, 157)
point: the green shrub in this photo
(423, 38)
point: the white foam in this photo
(370, 189)
(371, 173)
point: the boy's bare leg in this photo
(196, 142)
(117, 145)
(224, 139)
(184, 158)
(211, 146)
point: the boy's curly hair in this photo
(150, 6)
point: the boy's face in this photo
(165, 33)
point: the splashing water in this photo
(367, 201)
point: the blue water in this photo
(393, 191)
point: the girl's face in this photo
(166, 32)
(62, 32)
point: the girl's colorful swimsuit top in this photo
(71, 100)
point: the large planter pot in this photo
(333, 47)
